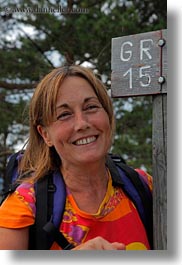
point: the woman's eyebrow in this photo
(66, 105)
(90, 98)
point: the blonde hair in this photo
(38, 157)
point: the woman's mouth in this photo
(86, 140)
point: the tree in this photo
(133, 139)
(35, 39)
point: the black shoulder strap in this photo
(37, 237)
(142, 189)
(11, 165)
(51, 230)
(43, 233)
(9, 184)
(12, 171)
(57, 236)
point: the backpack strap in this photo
(38, 239)
(136, 189)
(11, 171)
(10, 185)
(58, 205)
(50, 204)
(57, 236)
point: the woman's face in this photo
(82, 131)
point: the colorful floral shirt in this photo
(116, 219)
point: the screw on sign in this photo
(139, 68)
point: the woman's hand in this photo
(99, 243)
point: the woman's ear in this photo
(45, 135)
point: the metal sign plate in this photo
(139, 64)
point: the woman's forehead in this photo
(74, 88)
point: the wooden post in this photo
(139, 67)
(160, 171)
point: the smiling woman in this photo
(81, 133)
(71, 131)
(67, 97)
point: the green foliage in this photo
(134, 131)
(72, 38)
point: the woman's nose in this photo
(81, 121)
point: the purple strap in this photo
(59, 198)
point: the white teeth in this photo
(87, 140)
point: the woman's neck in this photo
(88, 177)
(87, 187)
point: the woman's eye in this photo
(63, 116)
(92, 107)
